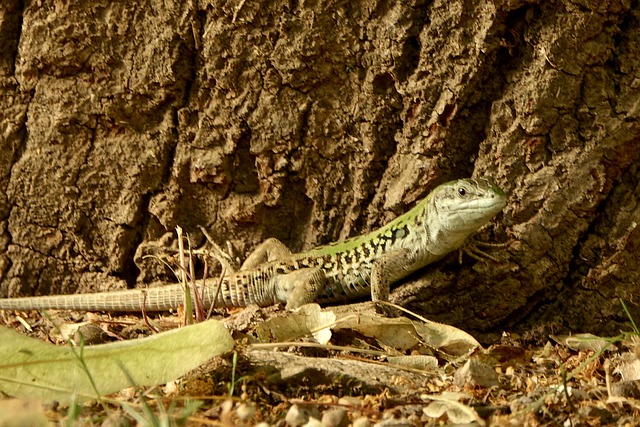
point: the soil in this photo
(358, 380)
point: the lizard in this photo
(338, 272)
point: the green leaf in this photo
(35, 369)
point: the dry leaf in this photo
(476, 373)
(445, 338)
(422, 362)
(629, 367)
(398, 332)
(308, 320)
(448, 402)
(584, 342)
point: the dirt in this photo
(582, 380)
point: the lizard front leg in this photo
(386, 270)
(299, 287)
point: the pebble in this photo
(350, 401)
(226, 406)
(313, 422)
(335, 418)
(362, 422)
(298, 416)
(245, 411)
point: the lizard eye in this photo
(462, 191)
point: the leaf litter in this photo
(330, 366)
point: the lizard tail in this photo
(236, 291)
(160, 298)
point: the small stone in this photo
(362, 422)
(245, 411)
(313, 422)
(226, 417)
(350, 401)
(226, 406)
(298, 416)
(262, 424)
(335, 418)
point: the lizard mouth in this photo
(489, 205)
(467, 214)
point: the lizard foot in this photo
(475, 249)
(386, 309)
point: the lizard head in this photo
(465, 205)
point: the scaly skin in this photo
(334, 273)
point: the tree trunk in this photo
(316, 121)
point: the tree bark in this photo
(316, 121)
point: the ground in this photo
(354, 378)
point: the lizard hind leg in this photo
(300, 287)
(271, 249)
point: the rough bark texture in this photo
(315, 121)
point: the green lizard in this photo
(338, 272)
